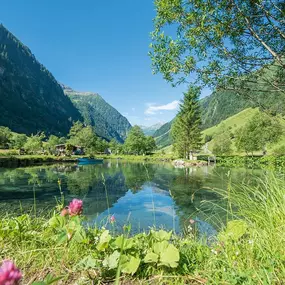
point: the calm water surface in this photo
(145, 194)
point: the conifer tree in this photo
(186, 129)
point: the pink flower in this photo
(9, 273)
(191, 221)
(75, 207)
(112, 219)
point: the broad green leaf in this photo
(159, 247)
(122, 242)
(162, 235)
(57, 222)
(235, 230)
(170, 256)
(131, 266)
(112, 260)
(151, 257)
(87, 263)
(62, 237)
(79, 236)
(104, 241)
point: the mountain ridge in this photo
(108, 122)
(31, 100)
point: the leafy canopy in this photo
(219, 41)
(258, 132)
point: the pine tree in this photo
(186, 130)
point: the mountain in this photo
(162, 135)
(31, 99)
(149, 131)
(108, 122)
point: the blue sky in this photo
(99, 46)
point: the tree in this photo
(34, 143)
(150, 144)
(5, 137)
(75, 129)
(135, 142)
(261, 130)
(18, 140)
(52, 142)
(84, 137)
(223, 144)
(217, 42)
(114, 146)
(186, 129)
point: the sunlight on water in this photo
(146, 195)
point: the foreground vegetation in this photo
(250, 249)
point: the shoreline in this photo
(23, 161)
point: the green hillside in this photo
(108, 122)
(223, 104)
(235, 122)
(31, 100)
(232, 124)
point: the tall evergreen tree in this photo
(186, 129)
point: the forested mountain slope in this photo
(31, 100)
(108, 122)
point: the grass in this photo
(250, 248)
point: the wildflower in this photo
(64, 211)
(192, 222)
(9, 273)
(75, 207)
(59, 181)
(250, 241)
(214, 251)
(112, 219)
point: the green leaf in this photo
(122, 241)
(161, 235)
(170, 256)
(87, 263)
(104, 241)
(151, 257)
(235, 230)
(57, 222)
(131, 266)
(112, 260)
(159, 247)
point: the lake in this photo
(146, 195)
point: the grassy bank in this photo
(252, 161)
(28, 160)
(250, 249)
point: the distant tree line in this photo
(79, 135)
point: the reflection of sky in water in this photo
(135, 192)
(143, 209)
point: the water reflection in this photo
(144, 194)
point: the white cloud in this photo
(153, 109)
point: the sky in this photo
(99, 46)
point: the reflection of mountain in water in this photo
(147, 194)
